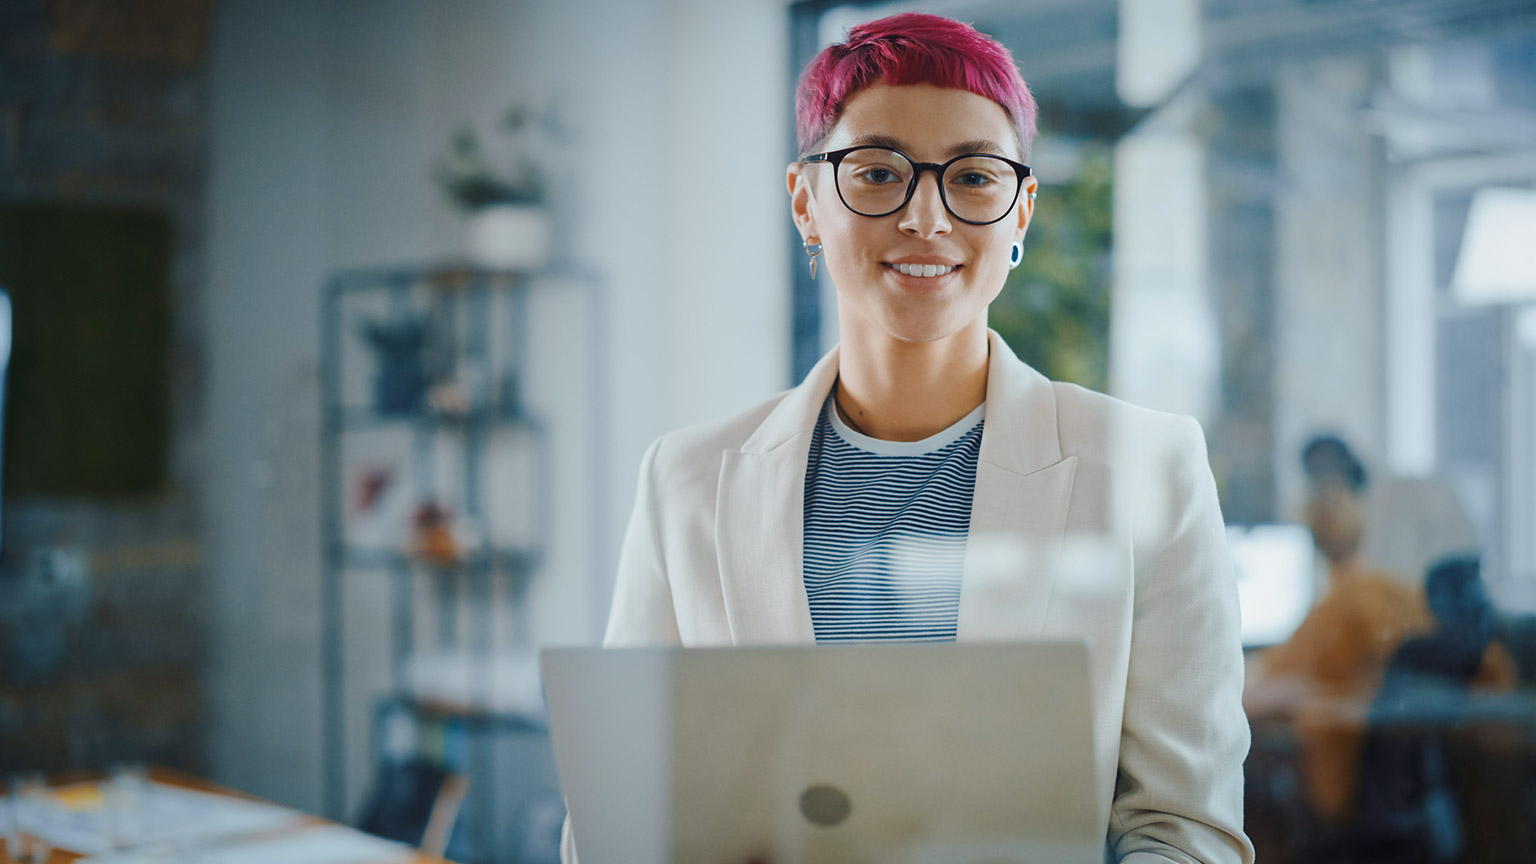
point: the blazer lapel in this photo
(760, 519)
(1019, 509)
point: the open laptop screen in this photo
(1276, 579)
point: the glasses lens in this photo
(873, 181)
(980, 188)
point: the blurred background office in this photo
(335, 331)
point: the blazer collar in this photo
(1018, 514)
(1019, 401)
(797, 412)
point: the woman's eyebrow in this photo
(873, 139)
(979, 145)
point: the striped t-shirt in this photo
(885, 530)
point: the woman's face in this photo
(861, 254)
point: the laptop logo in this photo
(825, 805)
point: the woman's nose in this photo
(925, 215)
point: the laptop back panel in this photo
(888, 753)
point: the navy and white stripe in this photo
(885, 531)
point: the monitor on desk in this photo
(1276, 569)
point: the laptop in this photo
(898, 754)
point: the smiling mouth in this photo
(924, 270)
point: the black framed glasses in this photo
(976, 188)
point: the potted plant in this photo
(506, 210)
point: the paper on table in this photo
(317, 844)
(87, 824)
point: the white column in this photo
(1164, 348)
(1164, 344)
(1329, 306)
(1159, 46)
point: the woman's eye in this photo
(876, 174)
(973, 179)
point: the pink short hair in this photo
(910, 48)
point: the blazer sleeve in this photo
(1184, 736)
(642, 611)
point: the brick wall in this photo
(101, 634)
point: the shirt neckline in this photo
(933, 443)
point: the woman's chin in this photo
(922, 330)
(905, 317)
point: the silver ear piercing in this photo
(813, 250)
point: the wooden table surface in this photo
(186, 781)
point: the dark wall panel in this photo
(90, 400)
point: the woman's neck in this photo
(906, 391)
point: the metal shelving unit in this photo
(469, 328)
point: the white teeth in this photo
(925, 270)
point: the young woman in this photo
(923, 483)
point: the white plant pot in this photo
(513, 237)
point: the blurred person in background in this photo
(843, 509)
(1324, 677)
(1410, 522)
(1412, 808)
(1465, 648)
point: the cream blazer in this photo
(1091, 519)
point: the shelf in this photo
(514, 563)
(428, 710)
(350, 419)
(479, 334)
(454, 274)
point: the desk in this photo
(186, 781)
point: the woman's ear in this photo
(801, 201)
(1026, 207)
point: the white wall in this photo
(326, 119)
(267, 248)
